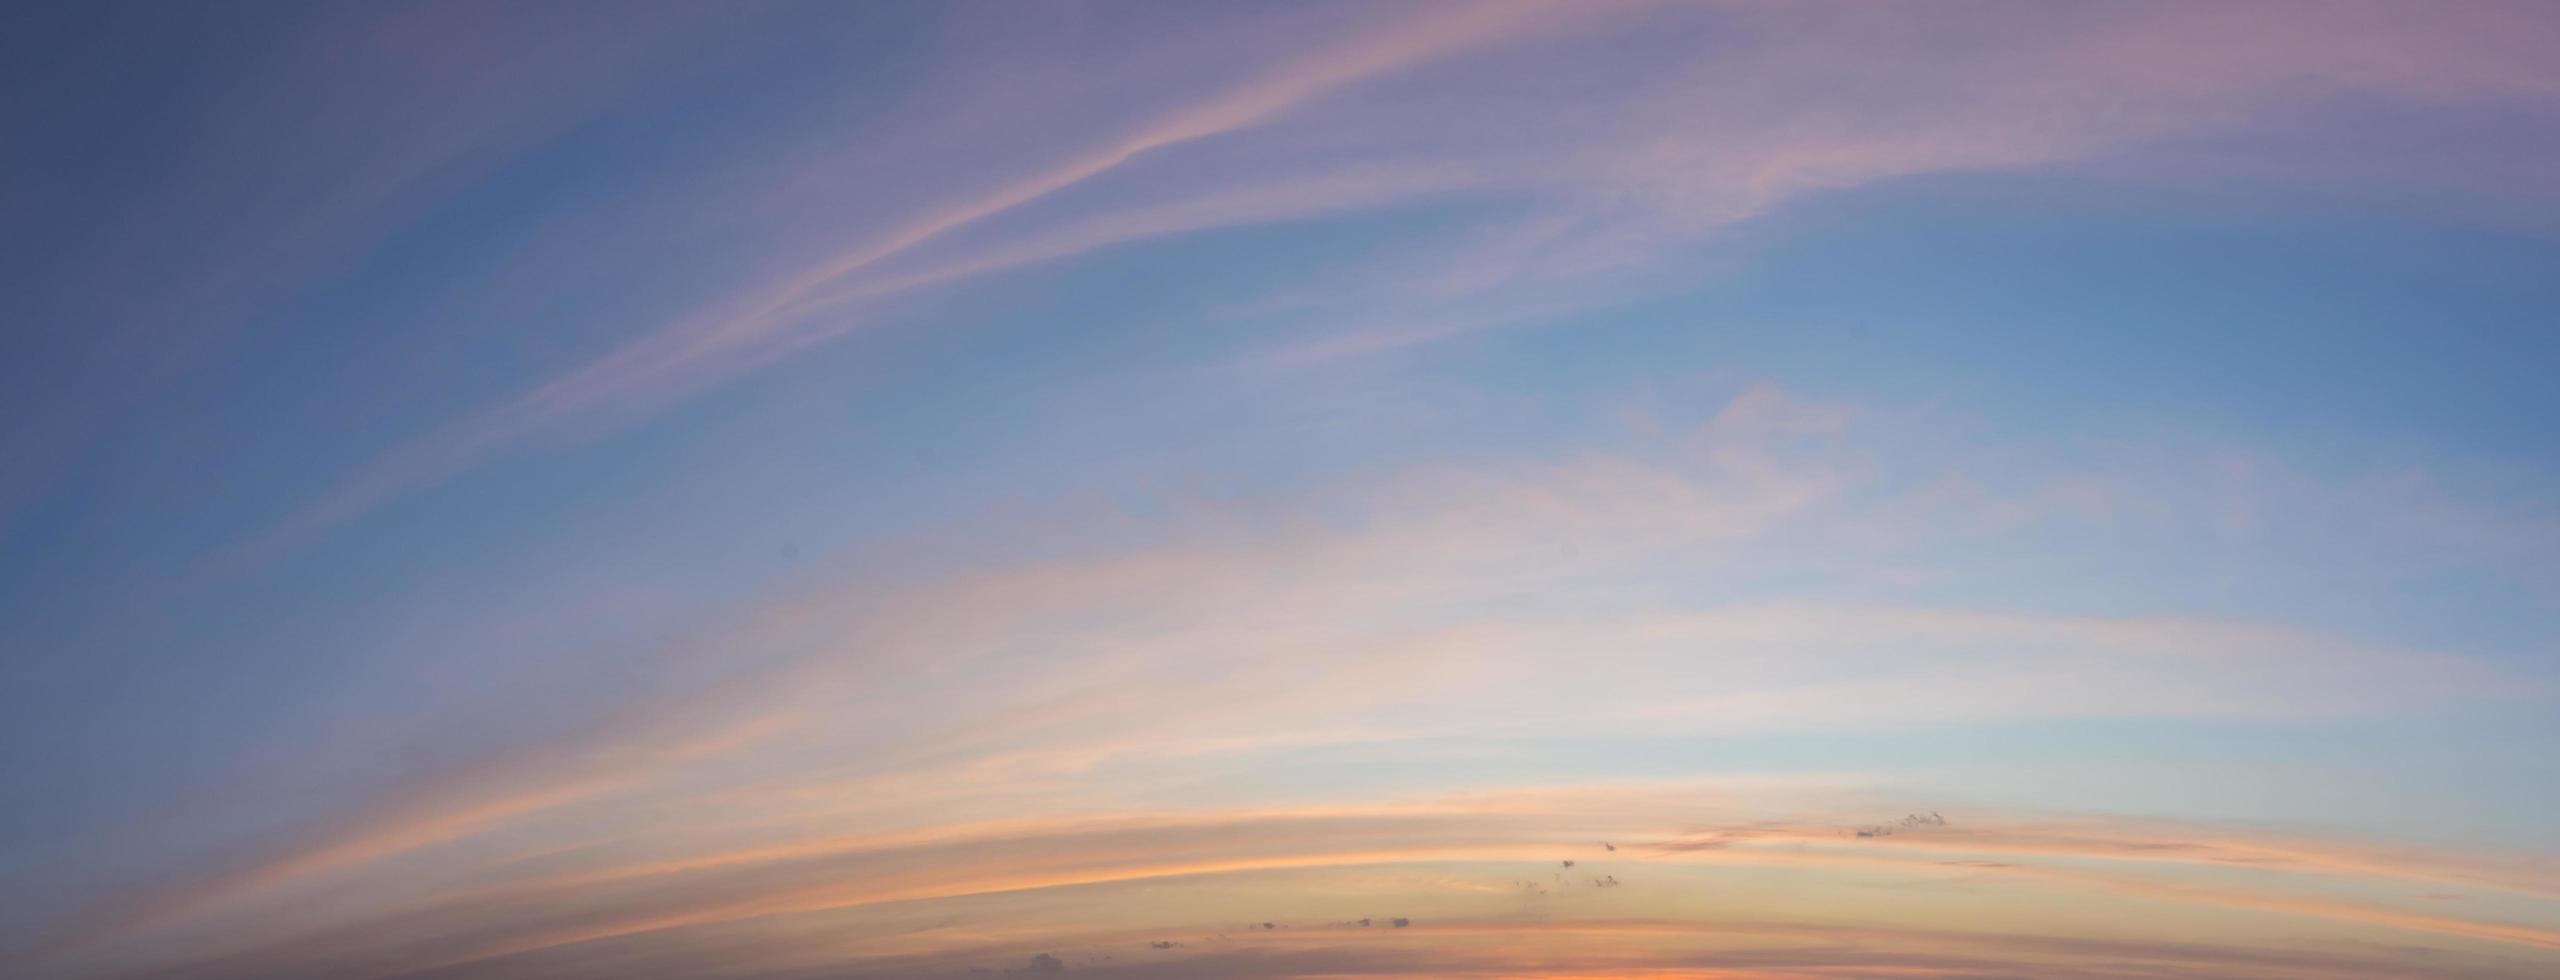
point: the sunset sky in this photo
(833, 491)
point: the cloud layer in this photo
(1488, 489)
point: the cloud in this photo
(758, 325)
(1075, 730)
(1046, 867)
(1370, 621)
(395, 111)
(1697, 146)
(1632, 947)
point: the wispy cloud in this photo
(1289, 857)
(394, 110)
(758, 326)
(1226, 669)
(1685, 154)
(1431, 604)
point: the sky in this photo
(782, 491)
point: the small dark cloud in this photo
(1045, 963)
(1267, 925)
(1910, 821)
(1568, 862)
(1364, 923)
(1164, 944)
(1401, 922)
(1612, 847)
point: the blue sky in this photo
(570, 453)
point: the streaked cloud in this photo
(1452, 857)
(1444, 611)
(1687, 158)
(1500, 489)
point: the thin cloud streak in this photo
(1479, 837)
(754, 329)
(1140, 556)
(1634, 191)
(1302, 637)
